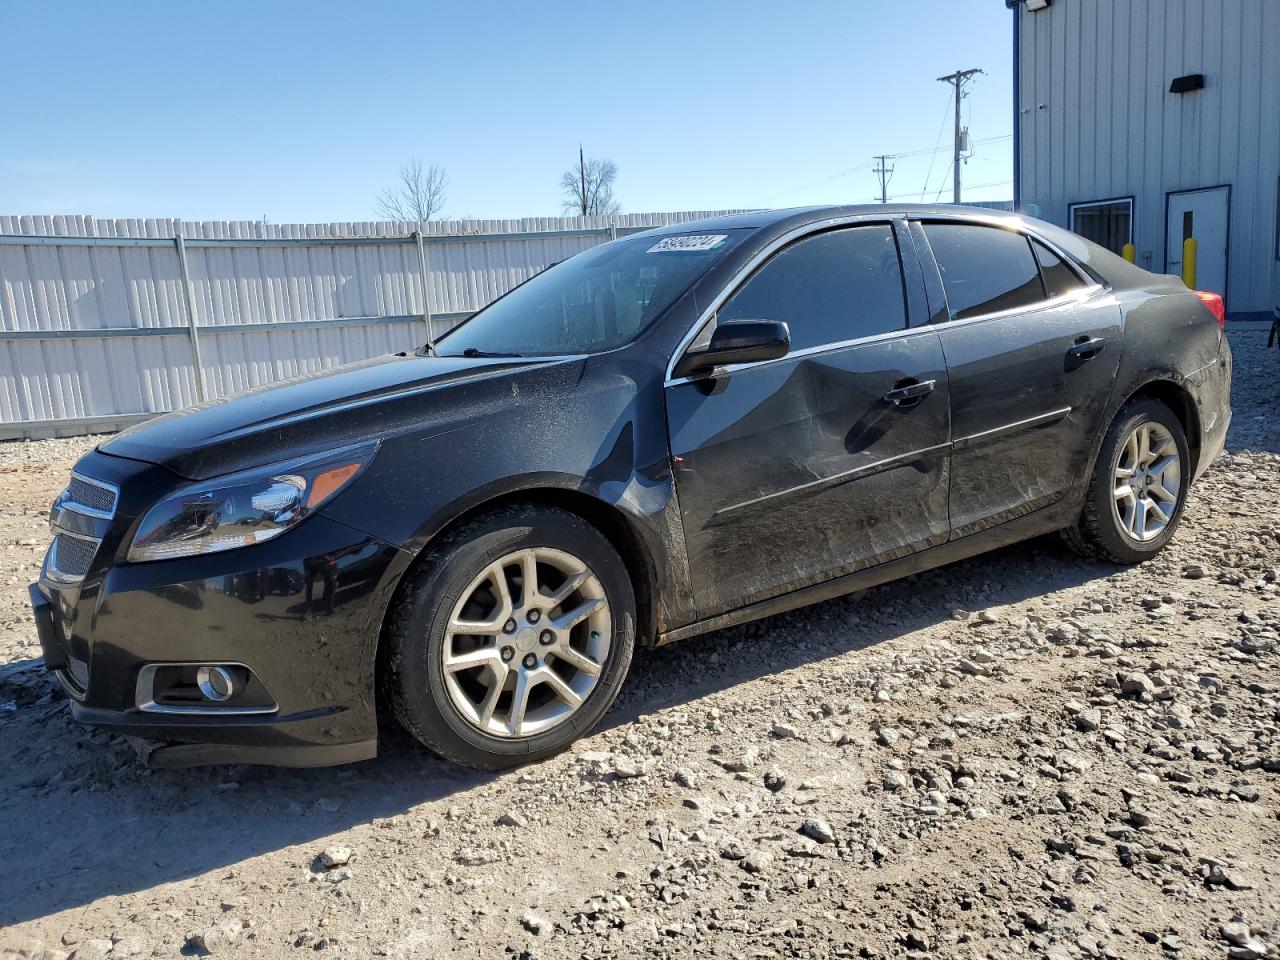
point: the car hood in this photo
(320, 411)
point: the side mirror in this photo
(737, 341)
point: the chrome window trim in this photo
(145, 688)
(748, 268)
(1081, 293)
(812, 352)
(1014, 224)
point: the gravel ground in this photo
(1022, 754)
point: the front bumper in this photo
(302, 612)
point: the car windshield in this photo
(595, 301)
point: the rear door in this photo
(796, 470)
(1032, 347)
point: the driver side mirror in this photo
(737, 341)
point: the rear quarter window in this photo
(1058, 277)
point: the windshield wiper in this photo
(472, 353)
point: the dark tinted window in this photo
(984, 269)
(836, 286)
(1058, 277)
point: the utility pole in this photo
(958, 80)
(884, 173)
(582, 179)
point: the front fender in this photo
(600, 441)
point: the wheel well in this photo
(610, 521)
(1177, 399)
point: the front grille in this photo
(84, 492)
(72, 555)
(76, 543)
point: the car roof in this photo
(798, 216)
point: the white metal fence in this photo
(106, 322)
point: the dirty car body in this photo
(730, 493)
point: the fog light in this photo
(218, 683)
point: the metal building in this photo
(1150, 121)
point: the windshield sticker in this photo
(691, 243)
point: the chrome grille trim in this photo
(93, 498)
(70, 556)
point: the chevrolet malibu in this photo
(664, 435)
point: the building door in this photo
(1206, 215)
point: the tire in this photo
(456, 585)
(1106, 531)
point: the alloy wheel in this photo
(526, 643)
(1147, 481)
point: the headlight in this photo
(244, 508)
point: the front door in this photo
(793, 471)
(1205, 215)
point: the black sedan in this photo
(667, 434)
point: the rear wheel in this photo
(1138, 488)
(512, 638)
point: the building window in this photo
(1105, 222)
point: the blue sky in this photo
(303, 111)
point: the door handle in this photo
(904, 391)
(1086, 348)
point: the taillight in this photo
(1215, 305)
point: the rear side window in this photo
(1058, 277)
(836, 286)
(984, 269)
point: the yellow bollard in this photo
(1189, 262)
(1129, 252)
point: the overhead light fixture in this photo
(1192, 81)
(1034, 5)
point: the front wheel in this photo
(511, 639)
(1138, 488)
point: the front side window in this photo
(1108, 223)
(836, 286)
(596, 301)
(984, 269)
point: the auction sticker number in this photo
(690, 243)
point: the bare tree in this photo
(418, 196)
(588, 187)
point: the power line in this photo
(912, 196)
(937, 145)
(942, 186)
(905, 155)
(939, 149)
(817, 183)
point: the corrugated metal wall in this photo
(94, 320)
(1097, 120)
